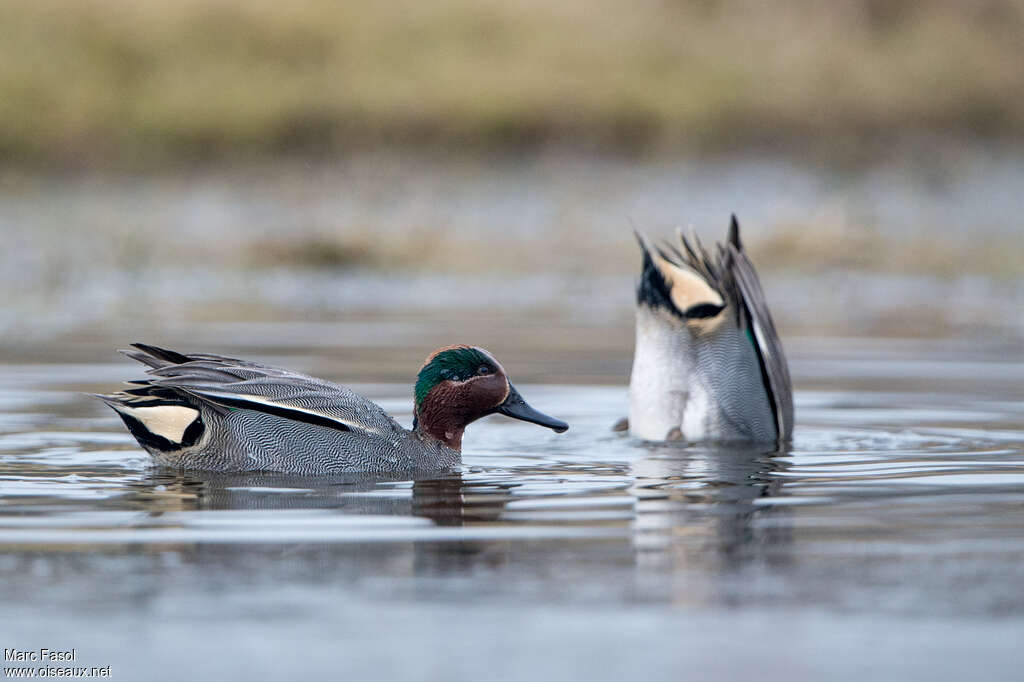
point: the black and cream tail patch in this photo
(158, 424)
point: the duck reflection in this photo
(706, 508)
(446, 500)
(452, 502)
(700, 513)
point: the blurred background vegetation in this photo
(148, 82)
(176, 163)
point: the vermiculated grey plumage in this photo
(261, 418)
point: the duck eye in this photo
(484, 369)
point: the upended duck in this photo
(708, 364)
(203, 411)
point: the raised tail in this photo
(161, 419)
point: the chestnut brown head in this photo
(460, 384)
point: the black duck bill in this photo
(514, 406)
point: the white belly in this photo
(695, 388)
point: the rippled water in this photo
(888, 542)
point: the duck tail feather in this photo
(734, 233)
(155, 356)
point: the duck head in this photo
(460, 384)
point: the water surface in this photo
(886, 543)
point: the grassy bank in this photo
(147, 82)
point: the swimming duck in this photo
(203, 411)
(708, 363)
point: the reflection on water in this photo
(711, 495)
(895, 522)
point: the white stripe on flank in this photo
(284, 406)
(168, 421)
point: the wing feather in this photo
(769, 347)
(237, 384)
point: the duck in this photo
(209, 412)
(708, 364)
